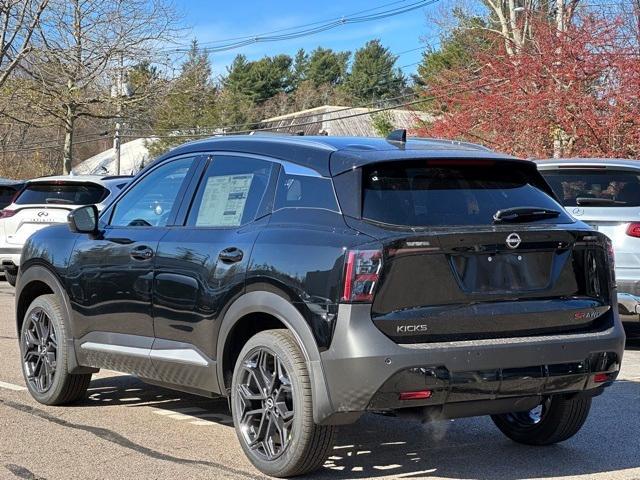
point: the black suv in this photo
(311, 280)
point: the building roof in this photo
(133, 156)
(340, 121)
(588, 162)
(333, 155)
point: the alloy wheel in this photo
(40, 350)
(530, 417)
(265, 404)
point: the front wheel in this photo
(555, 420)
(45, 352)
(272, 407)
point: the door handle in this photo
(141, 252)
(231, 255)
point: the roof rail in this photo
(476, 146)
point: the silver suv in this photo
(605, 193)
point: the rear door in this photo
(452, 272)
(201, 265)
(43, 203)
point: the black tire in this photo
(306, 445)
(11, 277)
(561, 419)
(51, 383)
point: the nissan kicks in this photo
(312, 279)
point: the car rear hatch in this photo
(44, 203)
(450, 271)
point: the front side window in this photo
(150, 202)
(595, 187)
(230, 192)
(421, 194)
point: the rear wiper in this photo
(584, 201)
(523, 214)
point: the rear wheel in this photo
(272, 407)
(555, 420)
(11, 276)
(44, 353)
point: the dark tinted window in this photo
(230, 192)
(6, 194)
(150, 202)
(59, 192)
(417, 194)
(299, 191)
(602, 188)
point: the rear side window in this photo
(6, 194)
(63, 193)
(299, 191)
(589, 187)
(420, 193)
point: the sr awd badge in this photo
(513, 240)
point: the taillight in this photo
(361, 273)
(611, 260)
(7, 213)
(633, 230)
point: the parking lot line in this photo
(11, 386)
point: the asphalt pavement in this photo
(126, 429)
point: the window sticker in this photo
(223, 200)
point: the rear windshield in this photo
(607, 188)
(62, 193)
(430, 194)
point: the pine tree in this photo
(189, 106)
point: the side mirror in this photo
(83, 219)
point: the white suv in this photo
(48, 200)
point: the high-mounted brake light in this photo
(361, 274)
(7, 213)
(633, 230)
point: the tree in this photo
(84, 47)
(189, 105)
(382, 123)
(19, 19)
(373, 75)
(571, 92)
(327, 67)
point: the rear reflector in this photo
(633, 230)
(601, 377)
(419, 395)
(361, 274)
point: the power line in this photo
(312, 30)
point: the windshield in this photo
(71, 193)
(447, 193)
(607, 188)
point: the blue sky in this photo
(210, 21)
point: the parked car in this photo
(605, 193)
(45, 201)
(8, 190)
(311, 280)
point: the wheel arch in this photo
(36, 280)
(273, 305)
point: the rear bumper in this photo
(10, 256)
(365, 370)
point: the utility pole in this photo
(119, 94)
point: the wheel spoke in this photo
(267, 373)
(30, 339)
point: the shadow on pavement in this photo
(472, 448)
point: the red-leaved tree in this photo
(570, 93)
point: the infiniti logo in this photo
(513, 240)
(43, 214)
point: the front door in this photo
(112, 275)
(201, 266)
